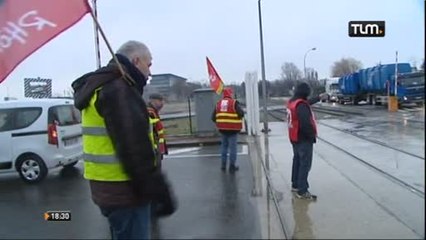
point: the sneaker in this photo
(307, 196)
(294, 189)
(233, 168)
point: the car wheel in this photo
(31, 168)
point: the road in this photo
(212, 204)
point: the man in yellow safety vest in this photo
(118, 150)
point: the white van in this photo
(37, 135)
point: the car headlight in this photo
(405, 98)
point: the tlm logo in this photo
(366, 28)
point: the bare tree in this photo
(290, 75)
(345, 66)
(277, 88)
(267, 87)
(289, 71)
(311, 74)
(316, 87)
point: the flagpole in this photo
(101, 31)
(97, 50)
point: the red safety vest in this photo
(293, 119)
(226, 115)
(158, 130)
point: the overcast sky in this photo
(181, 33)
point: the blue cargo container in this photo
(377, 87)
(351, 84)
(365, 80)
(341, 85)
(368, 80)
(373, 80)
(362, 78)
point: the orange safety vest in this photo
(158, 130)
(226, 115)
(294, 121)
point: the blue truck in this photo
(375, 84)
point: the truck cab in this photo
(410, 87)
(332, 88)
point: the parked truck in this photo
(375, 84)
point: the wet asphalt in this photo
(212, 203)
(22, 207)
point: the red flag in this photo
(25, 26)
(215, 81)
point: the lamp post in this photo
(265, 110)
(262, 57)
(304, 60)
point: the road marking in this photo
(198, 155)
(244, 151)
(182, 150)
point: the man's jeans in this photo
(129, 223)
(302, 161)
(229, 141)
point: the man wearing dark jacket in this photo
(302, 133)
(117, 143)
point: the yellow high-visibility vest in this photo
(99, 155)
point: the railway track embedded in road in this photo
(404, 184)
(351, 133)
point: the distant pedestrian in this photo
(117, 144)
(302, 133)
(228, 116)
(155, 104)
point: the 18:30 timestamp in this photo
(57, 216)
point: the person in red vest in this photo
(302, 133)
(155, 104)
(228, 117)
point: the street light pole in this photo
(265, 110)
(262, 57)
(304, 61)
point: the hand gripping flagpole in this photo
(120, 68)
